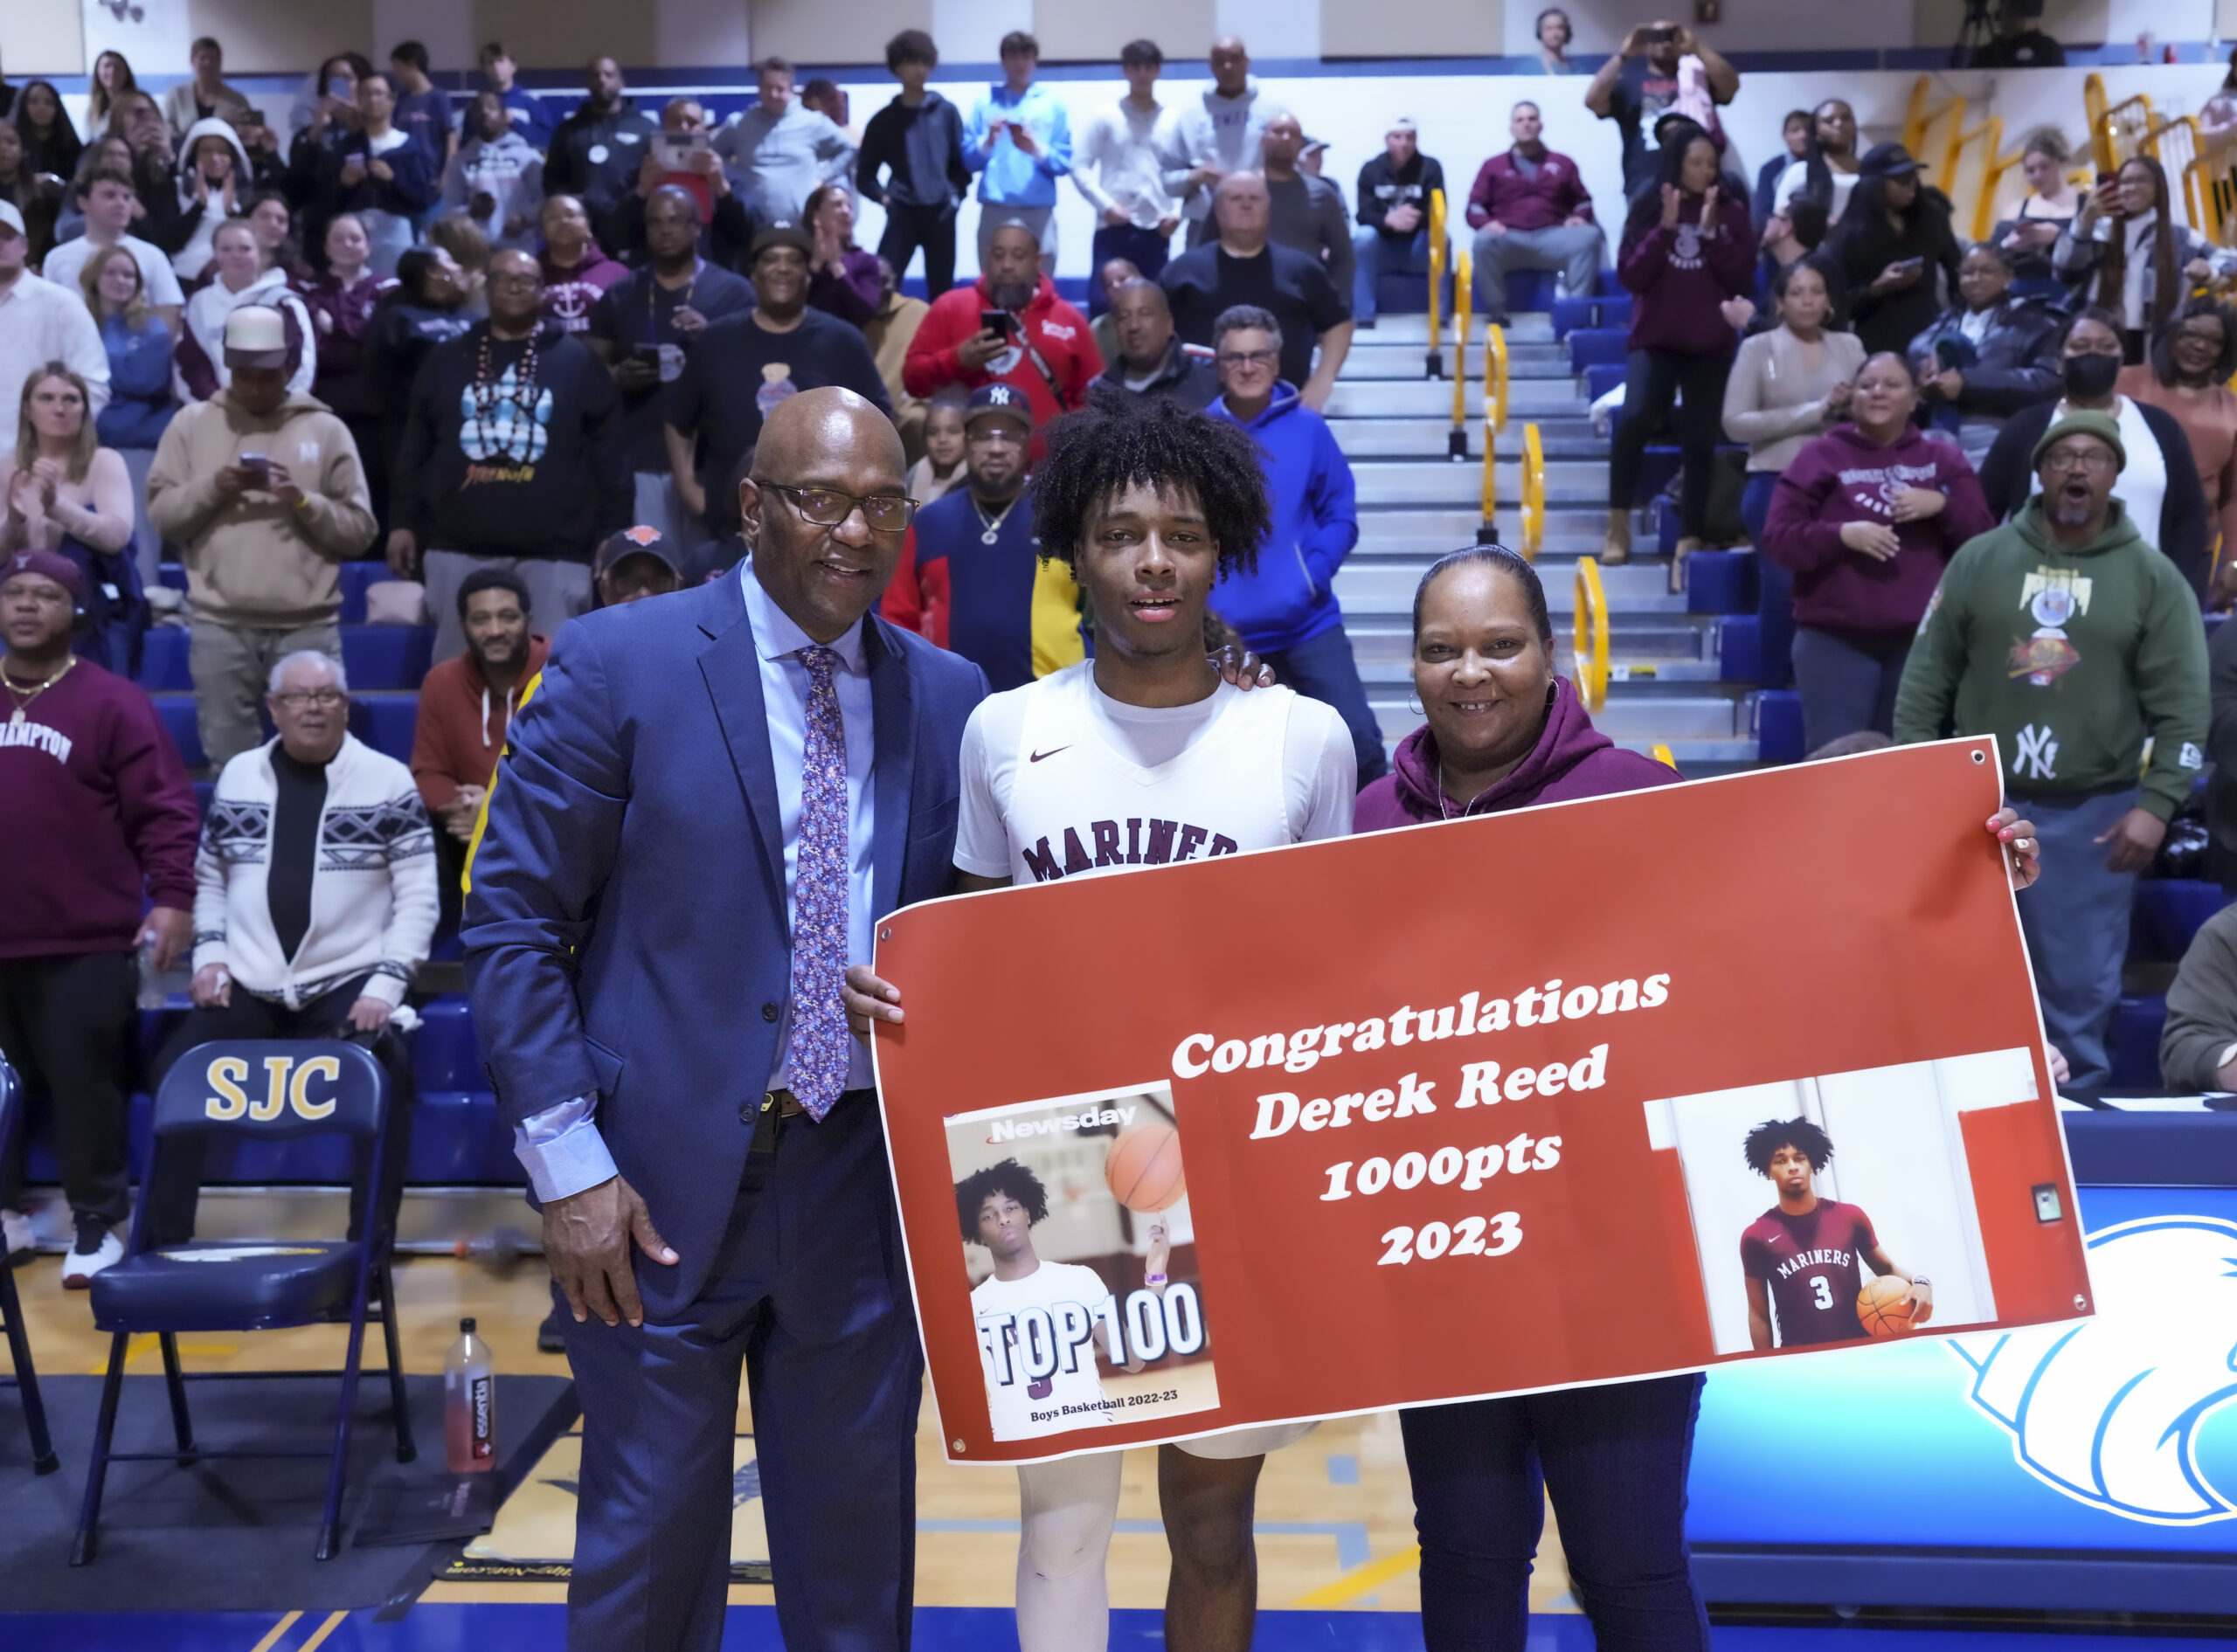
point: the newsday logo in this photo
(2108, 1412)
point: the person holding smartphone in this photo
(1894, 240)
(1660, 67)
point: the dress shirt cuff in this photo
(561, 1151)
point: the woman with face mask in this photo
(2160, 485)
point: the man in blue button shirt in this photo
(702, 783)
(1020, 143)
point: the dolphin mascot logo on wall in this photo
(2108, 1412)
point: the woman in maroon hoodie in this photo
(1687, 247)
(1866, 517)
(1504, 732)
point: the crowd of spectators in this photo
(524, 351)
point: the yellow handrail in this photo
(1916, 116)
(1533, 492)
(1663, 755)
(2093, 110)
(2206, 187)
(1463, 302)
(1591, 635)
(2173, 141)
(1488, 534)
(1495, 375)
(1994, 169)
(2117, 136)
(1989, 132)
(1436, 368)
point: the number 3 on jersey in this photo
(1823, 1290)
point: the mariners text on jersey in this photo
(1148, 843)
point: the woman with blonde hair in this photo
(60, 483)
(140, 397)
(111, 79)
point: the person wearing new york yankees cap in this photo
(970, 576)
(101, 825)
(2075, 643)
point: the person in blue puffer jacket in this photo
(141, 399)
(1286, 608)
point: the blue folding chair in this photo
(20, 1343)
(267, 1089)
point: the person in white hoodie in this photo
(497, 177)
(214, 184)
(198, 369)
(1216, 137)
(314, 904)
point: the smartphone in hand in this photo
(1000, 321)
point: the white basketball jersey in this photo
(1076, 806)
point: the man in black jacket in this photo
(1243, 266)
(510, 456)
(1150, 361)
(1394, 212)
(596, 151)
(917, 141)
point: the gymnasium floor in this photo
(1334, 1530)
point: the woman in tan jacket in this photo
(1788, 384)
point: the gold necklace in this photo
(24, 697)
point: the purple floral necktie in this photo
(820, 1046)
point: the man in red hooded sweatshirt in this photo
(1042, 345)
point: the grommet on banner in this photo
(1980, 757)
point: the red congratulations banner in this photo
(1475, 1109)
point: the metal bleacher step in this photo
(1528, 328)
(1400, 482)
(1534, 363)
(1427, 439)
(1419, 397)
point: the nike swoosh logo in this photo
(1051, 752)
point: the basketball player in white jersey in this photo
(1141, 757)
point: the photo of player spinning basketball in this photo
(1802, 1256)
(998, 1207)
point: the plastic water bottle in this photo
(469, 1404)
(152, 994)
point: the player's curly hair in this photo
(1775, 1133)
(1119, 439)
(1008, 1177)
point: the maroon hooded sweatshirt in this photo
(1844, 476)
(97, 806)
(1572, 759)
(1682, 276)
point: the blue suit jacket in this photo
(626, 934)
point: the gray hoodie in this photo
(776, 162)
(509, 170)
(1221, 130)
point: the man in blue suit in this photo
(700, 816)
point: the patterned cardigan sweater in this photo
(373, 900)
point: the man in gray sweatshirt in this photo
(2198, 1047)
(1308, 211)
(780, 151)
(1214, 138)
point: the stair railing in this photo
(1591, 635)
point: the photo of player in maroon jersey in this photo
(1802, 1256)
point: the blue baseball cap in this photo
(998, 399)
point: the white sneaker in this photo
(15, 1228)
(79, 1267)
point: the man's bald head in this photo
(1243, 211)
(1231, 65)
(825, 576)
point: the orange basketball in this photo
(1883, 1305)
(1143, 1168)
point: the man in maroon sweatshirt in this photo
(96, 801)
(1530, 210)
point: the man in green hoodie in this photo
(2073, 642)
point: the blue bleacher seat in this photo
(1400, 293)
(1608, 309)
(177, 713)
(356, 576)
(2167, 914)
(1531, 290)
(386, 657)
(1778, 725)
(1659, 464)
(1598, 381)
(1740, 648)
(385, 722)
(1595, 346)
(2134, 1042)
(445, 1055)
(1721, 582)
(163, 661)
(457, 1140)
(172, 574)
